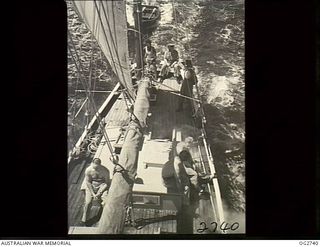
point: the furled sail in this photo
(107, 21)
(113, 214)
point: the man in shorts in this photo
(95, 185)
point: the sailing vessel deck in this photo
(163, 122)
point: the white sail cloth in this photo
(107, 21)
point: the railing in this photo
(216, 196)
(93, 121)
(214, 190)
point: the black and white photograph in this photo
(156, 117)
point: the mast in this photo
(137, 15)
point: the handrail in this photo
(216, 188)
(215, 183)
(93, 120)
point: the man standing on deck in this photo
(95, 185)
(189, 79)
(171, 60)
(150, 56)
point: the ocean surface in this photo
(211, 33)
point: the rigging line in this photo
(98, 117)
(72, 105)
(134, 30)
(84, 102)
(94, 67)
(174, 92)
(94, 60)
(187, 35)
(77, 82)
(91, 99)
(181, 95)
(112, 40)
(77, 85)
(140, 42)
(130, 111)
(127, 105)
(106, 37)
(101, 91)
(99, 120)
(175, 19)
(90, 71)
(94, 47)
(116, 49)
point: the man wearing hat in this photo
(189, 79)
(171, 58)
(95, 185)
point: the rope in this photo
(72, 105)
(85, 101)
(175, 18)
(80, 69)
(94, 74)
(75, 99)
(140, 42)
(134, 30)
(173, 92)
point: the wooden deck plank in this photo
(77, 209)
(76, 193)
(77, 172)
(118, 113)
(73, 202)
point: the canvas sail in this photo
(107, 21)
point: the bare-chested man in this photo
(96, 184)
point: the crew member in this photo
(189, 79)
(150, 56)
(95, 185)
(171, 60)
(185, 150)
